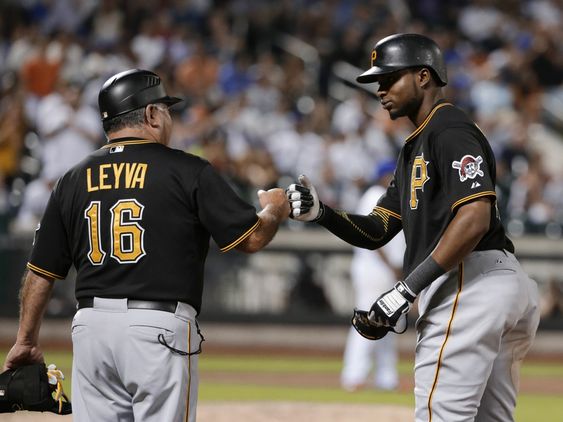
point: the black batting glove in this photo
(303, 200)
(390, 306)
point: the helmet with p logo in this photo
(403, 51)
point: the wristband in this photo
(402, 288)
(423, 275)
(320, 214)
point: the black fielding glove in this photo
(367, 328)
(28, 388)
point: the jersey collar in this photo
(127, 140)
(439, 104)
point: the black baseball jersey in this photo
(445, 163)
(135, 219)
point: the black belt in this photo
(152, 305)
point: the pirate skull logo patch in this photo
(469, 167)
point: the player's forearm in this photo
(460, 238)
(364, 231)
(462, 235)
(270, 220)
(34, 296)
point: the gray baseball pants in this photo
(122, 373)
(476, 324)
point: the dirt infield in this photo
(264, 412)
(300, 412)
(305, 341)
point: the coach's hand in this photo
(22, 354)
(276, 201)
(304, 201)
(390, 306)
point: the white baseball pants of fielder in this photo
(362, 356)
(122, 373)
(476, 325)
(372, 276)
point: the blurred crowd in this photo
(266, 97)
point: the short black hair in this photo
(132, 119)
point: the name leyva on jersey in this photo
(115, 176)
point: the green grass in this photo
(544, 370)
(213, 391)
(531, 407)
(265, 364)
(535, 408)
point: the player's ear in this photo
(424, 77)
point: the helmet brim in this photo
(370, 75)
(169, 101)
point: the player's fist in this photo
(390, 306)
(303, 200)
(276, 199)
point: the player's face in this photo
(398, 93)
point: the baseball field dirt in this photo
(241, 376)
(264, 412)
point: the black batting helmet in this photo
(131, 90)
(402, 51)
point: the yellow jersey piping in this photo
(425, 122)
(135, 142)
(344, 215)
(470, 197)
(448, 331)
(43, 272)
(189, 371)
(389, 212)
(241, 238)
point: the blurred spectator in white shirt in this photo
(68, 131)
(373, 273)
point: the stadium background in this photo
(270, 94)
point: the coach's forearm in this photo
(34, 296)
(270, 220)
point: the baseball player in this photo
(135, 219)
(478, 310)
(361, 355)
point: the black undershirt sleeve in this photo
(370, 231)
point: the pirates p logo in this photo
(469, 167)
(373, 57)
(419, 177)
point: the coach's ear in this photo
(152, 116)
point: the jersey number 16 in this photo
(126, 234)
